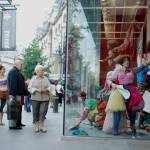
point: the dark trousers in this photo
(132, 118)
(116, 121)
(60, 95)
(2, 105)
(19, 121)
(39, 109)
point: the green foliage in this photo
(32, 57)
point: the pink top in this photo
(125, 78)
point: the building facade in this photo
(52, 42)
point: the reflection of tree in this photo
(74, 59)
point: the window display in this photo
(105, 45)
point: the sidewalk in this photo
(26, 139)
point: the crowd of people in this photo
(35, 93)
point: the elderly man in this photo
(17, 90)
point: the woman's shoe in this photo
(116, 134)
(36, 129)
(133, 134)
(43, 129)
(2, 124)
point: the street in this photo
(26, 139)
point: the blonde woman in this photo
(39, 87)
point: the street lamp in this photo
(61, 54)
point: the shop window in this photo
(98, 31)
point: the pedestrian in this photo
(3, 92)
(59, 92)
(17, 90)
(28, 103)
(39, 87)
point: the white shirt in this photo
(58, 88)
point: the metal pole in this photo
(55, 106)
(66, 67)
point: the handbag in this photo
(3, 95)
(13, 110)
(146, 97)
(125, 93)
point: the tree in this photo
(32, 57)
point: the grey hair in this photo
(38, 67)
(17, 61)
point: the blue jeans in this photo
(28, 103)
(116, 121)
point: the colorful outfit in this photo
(3, 89)
(142, 79)
(115, 106)
(127, 79)
(90, 109)
(135, 101)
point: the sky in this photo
(30, 14)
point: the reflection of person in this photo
(39, 87)
(3, 92)
(16, 88)
(90, 109)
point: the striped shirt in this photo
(3, 84)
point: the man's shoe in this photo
(15, 128)
(21, 125)
(28, 110)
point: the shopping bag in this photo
(13, 110)
(146, 97)
(125, 93)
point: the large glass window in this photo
(95, 28)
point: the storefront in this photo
(95, 27)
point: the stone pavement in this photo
(26, 139)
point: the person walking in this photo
(3, 92)
(59, 92)
(39, 87)
(17, 90)
(28, 103)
